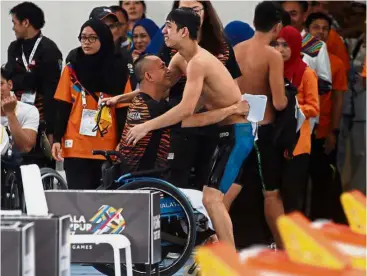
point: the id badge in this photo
(28, 97)
(88, 123)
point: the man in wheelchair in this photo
(21, 119)
(19, 126)
(151, 152)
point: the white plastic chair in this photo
(116, 241)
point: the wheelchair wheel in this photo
(52, 180)
(178, 230)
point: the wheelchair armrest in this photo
(146, 173)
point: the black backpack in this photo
(286, 135)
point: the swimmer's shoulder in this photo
(272, 54)
(198, 62)
(241, 47)
(202, 57)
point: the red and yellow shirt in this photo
(150, 152)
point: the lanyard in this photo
(26, 64)
(84, 98)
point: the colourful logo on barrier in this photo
(108, 220)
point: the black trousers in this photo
(82, 173)
(326, 184)
(190, 152)
(294, 183)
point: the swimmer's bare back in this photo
(219, 88)
(262, 73)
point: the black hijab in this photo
(103, 71)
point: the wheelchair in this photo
(12, 196)
(182, 227)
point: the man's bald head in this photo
(143, 65)
(152, 68)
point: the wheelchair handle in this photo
(114, 153)
(107, 154)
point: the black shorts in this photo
(235, 143)
(264, 164)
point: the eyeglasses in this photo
(90, 39)
(198, 10)
(116, 25)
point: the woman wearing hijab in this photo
(136, 11)
(295, 174)
(144, 30)
(238, 31)
(82, 123)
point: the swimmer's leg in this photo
(231, 195)
(213, 202)
(273, 208)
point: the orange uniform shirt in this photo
(363, 74)
(336, 46)
(128, 89)
(339, 83)
(308, 101)
(75, 144)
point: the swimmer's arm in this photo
(209, 117)
(276, 81)
(123, 98)
(174, 67)
(190, 98)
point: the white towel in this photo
(196, 199)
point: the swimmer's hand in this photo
(242, 108)
(136, 133)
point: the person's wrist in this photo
(10, 113)
(233, 109)
(148, 126)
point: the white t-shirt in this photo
(27, 115)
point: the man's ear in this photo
(185, 32)
(10, 84)
(148, 76)
(25, 22)
(277, 28)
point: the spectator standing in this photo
(144, 30)
(335, 43)
(107, 16)
(326, 182)
(82, 123)
(123, 20)
(135, 9)
(314, 51)
(35, 62)
(295, 170)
